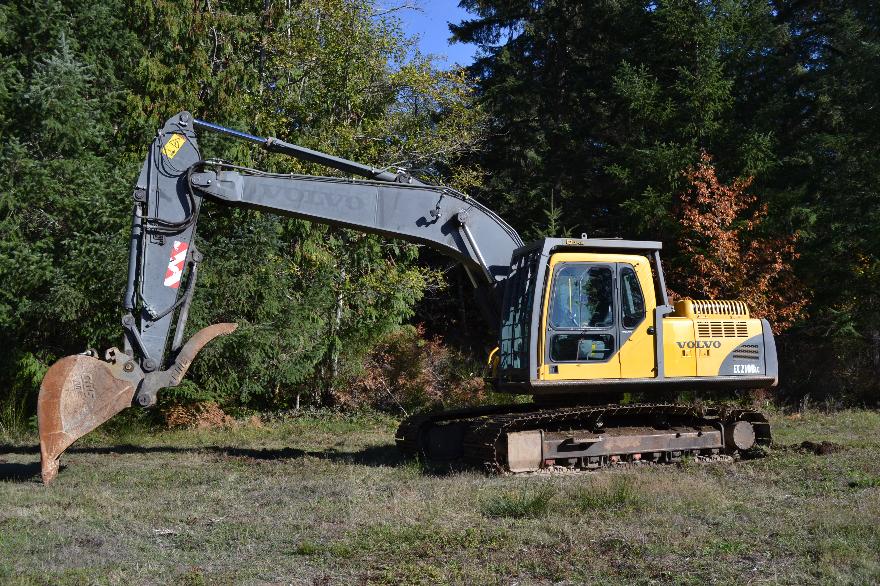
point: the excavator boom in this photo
(81, 392)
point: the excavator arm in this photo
(81, 392)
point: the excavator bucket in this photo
(78, 394)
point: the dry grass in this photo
(326, 500)
(199, 415)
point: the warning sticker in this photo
(173, 145)
(175, 265)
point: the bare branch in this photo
(405, 6)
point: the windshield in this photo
(582, 297)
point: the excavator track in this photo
(411, 433)
(526, 438)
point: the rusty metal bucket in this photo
(78, 394)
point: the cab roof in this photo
(550, 245)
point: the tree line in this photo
(83, 88)
(742, 134)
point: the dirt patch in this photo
(822, 448)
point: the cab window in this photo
(632, 302)
(581, 316)
(582, 298)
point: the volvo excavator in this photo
(578, 321)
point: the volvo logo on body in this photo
(319, 198)
(700, 344)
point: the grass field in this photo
(326, 500)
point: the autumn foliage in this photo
(201, 415)
(725, 255)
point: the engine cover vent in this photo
(719, 308)
(711, 309)
(723, 329)
(747, 352)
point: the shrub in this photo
(200, 415)
(18, 397)
(408, 370)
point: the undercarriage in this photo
(527, 438)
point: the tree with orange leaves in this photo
(723, 255)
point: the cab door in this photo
(637, 303)
(581, 333)
(598, 314)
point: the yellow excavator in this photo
(579, 321)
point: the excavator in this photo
(579, 322)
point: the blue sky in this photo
(430, 24)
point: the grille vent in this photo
(719, 308)
(723, 329)
(747, 352)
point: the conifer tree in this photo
(83, 87)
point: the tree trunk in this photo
(331, 371)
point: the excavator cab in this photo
(591, 316)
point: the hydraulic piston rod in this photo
(274, 145)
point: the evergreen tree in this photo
(601, 107)
(83, 86)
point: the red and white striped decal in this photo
(175, 265)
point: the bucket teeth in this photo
(78, 394)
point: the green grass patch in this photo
(424, 540)
(524, 504)
(863, 480)
(307, 548)
(621, 493)
(732, 547)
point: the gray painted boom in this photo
(174, 180)
(441, 218)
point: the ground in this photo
(327, 500)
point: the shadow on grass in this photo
(383, 455)
(14, 472)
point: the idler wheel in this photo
(739, 436)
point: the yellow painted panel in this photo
(637, 358)
(716, 348)
(173, 145)
(582, 371)
(678, 358)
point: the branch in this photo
(405, 6)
